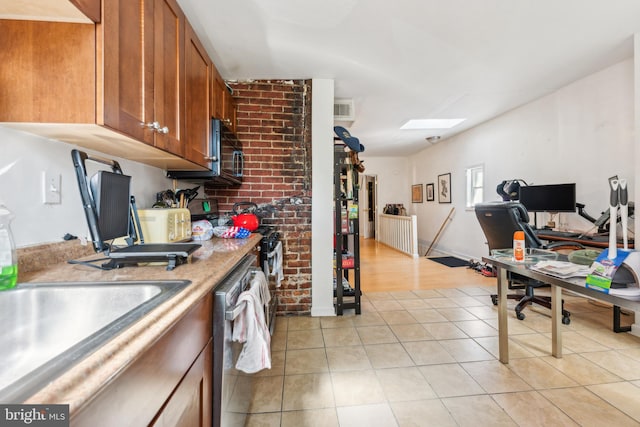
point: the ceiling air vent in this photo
(343, 110)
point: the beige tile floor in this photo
(430, 359)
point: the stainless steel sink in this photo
(49, 327)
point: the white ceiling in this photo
(405, 59)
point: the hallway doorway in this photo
(368, 202)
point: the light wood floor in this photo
(383, 269)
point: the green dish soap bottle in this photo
(8, 256)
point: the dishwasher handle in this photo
(234, 312)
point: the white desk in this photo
(504, 265)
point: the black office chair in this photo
(499, 220)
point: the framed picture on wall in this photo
(416, 193)
(444, 188)
(430, 192)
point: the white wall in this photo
(322, 206)
(582, 133)
(394, 184)
(26, 156)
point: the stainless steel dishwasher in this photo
(230, 394)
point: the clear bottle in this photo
(518, 246)
(8, 256)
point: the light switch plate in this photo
(51, 188)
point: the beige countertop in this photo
(208, 266)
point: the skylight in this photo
(415, 124)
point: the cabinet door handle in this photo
(152, 125)
(164, 130)
(211, 158)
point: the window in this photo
(475, 185)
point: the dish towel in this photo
(274, 264)
(250, 327)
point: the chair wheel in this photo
(520, 316)
(566, 320)
(494, 299)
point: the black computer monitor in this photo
(549, 198)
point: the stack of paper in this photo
(561, 269)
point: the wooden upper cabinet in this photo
(127, 64)
(143, 63)
(34, 75)
(135, 85)
(223, 105)
(217, 94)
(197, 74)
(168, 72)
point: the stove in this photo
(270, 238)
(270, 262)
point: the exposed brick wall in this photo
(274, 126)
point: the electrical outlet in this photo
(51, 188)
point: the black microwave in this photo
(226, 161)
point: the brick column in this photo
(274, 126)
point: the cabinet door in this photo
(197, 116)
(190, 404)
(223, 105)
(36, 68)
(167, 75)
(125, 38)
(217, 94)
(145, 390)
